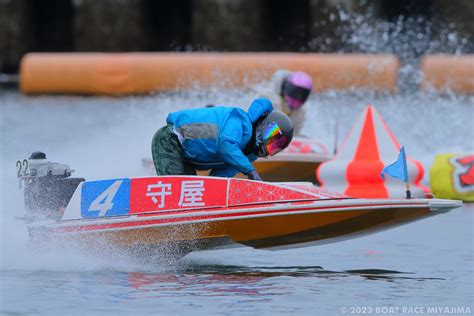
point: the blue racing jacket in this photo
(214, 138)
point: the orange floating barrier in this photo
(126, 73)
(448, 73)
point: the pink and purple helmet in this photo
(296, 89)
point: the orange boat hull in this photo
(284, 228)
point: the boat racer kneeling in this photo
(288, 93)
(224, 139)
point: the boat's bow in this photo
(439, 206)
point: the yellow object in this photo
(125, 73)
(452, 177)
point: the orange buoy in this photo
(356, 168)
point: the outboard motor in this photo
(48, 186)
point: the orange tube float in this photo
(126, 73)
(448, 73)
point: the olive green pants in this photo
(168, 155)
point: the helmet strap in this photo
(283, 86)
(286, 108)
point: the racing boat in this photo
(141, 215)
(298, 161)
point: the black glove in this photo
(253, 175)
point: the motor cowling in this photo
(48, 187)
